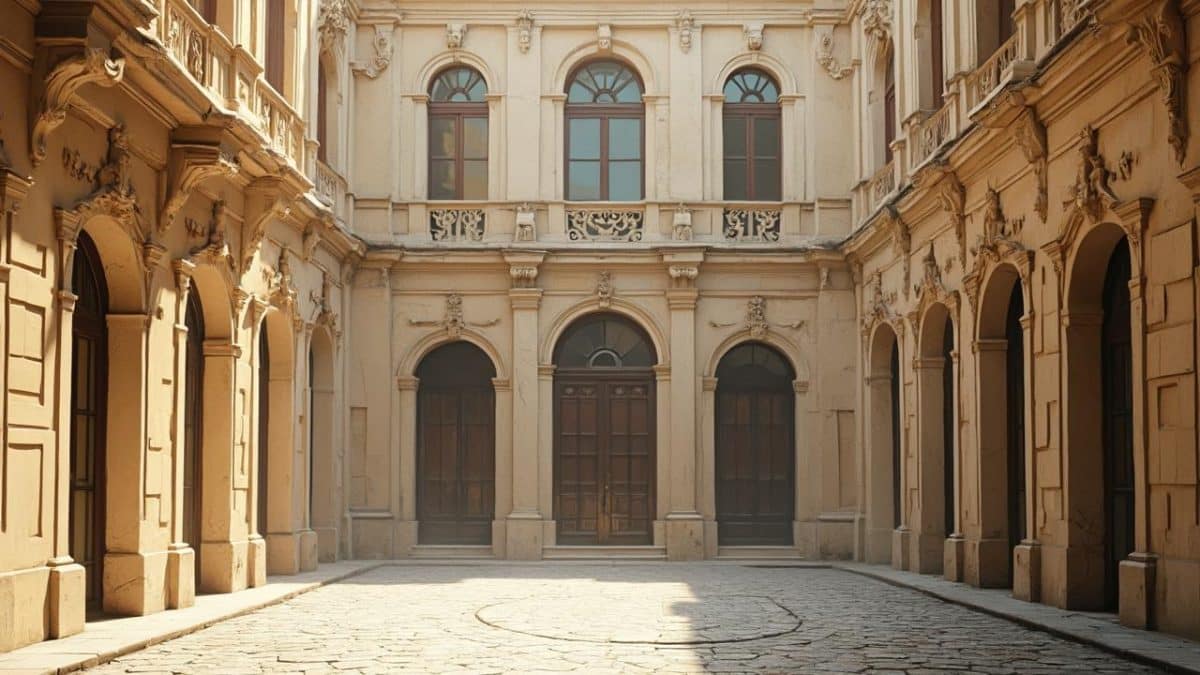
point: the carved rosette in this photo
(605, 224)
(456, 224)
(751, 224)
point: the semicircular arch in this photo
(627, 309)
(621, 51)
(786, 347)
(759, 61)
(451, 59)
(428, 343)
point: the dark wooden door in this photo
(604, 458)
(1117, 372)
(89, 416)
(456, 451)
(193, 426)
(755, 447)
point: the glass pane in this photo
(734, 132)
(766, 137)
(766, 179)
(625, 181)
(624, 138)
(441, 137)
(735, 179)
(583, 180)
(475, 138)
(604, 82)
(584, 138)
(441, 179)
(458, 85)
(475, 179)
(751, 86)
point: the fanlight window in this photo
(754, 365)
(604, 132)
(458, 135)
(604, 341)
(752, 139)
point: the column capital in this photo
(407, 382)
(546, 371)
(682, 298)
(222, 348)
(800, 386)
(662, 372)
(501, 384)
(989, 345)
(525, 298)
(708, 383)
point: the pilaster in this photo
(524, 528)
(684, 524)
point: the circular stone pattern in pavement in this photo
(644, 619)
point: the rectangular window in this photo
(458, 156)
(604, 158)
(751, 155)
(584, 159)
(274, 57)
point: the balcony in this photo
(330, 188)
(999, 70)
(930, 134)
(230, 76)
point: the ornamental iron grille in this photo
(456, 224)
(604, 225)
(749, 224)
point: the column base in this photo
(927, 553)
(711, 545)
(223, 566)
(67, 599)
(988, 563)
(181, 576)
(685, 536)
(953, 557)
(806, 539)
(499, 538)
(308, 550)
(257, 561)
(835, 536)
(523, 536)
(327, 544)
(135, 584)
(283, 553)
(1136, 577)
(404, 538)
(901, 537)
(1027, 571)
(878, 543)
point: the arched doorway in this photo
(89, 416)
(882, 461)
(456, 446)
(1116, 349)
(604, 433)
(934, 511)
(193, 426)
(755, 447)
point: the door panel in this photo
(754, 477)
(456, 465)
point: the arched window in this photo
(937, 76)
(458, 135)
(889, 106)
(322, 114)
(752, 140)
(605, 133)
(273, 61)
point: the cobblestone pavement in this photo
(626, 618)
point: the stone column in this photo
(181, 557)
(684, 524)
(805, 536)
(928, 538)
(223, 559)
(524, 529)
(986, 554)
(504, 459)
(307, 537)
(256, 541)
(878, 470)
(406, 528)
(708, 465)
(1027, 558)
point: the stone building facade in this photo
(904, 281)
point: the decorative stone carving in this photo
(757, 324)
(77, 168)
(931, 288)
(997, 243)
(901, 240)
(753, 33)
(526, 229)
(1030, 136)
(91, 67)
(604, 37)
(1091, 194)
(456, 34)
(952, 197)
(523, 276)
(261, 210)
(325, 315)
(605, 225)
(877, 20)
(456, 224)
(191, 165)
(196, 56)
(681, 224)
(1160, 33)
(683, 276)
(114, 195)
(281, 290)
(752, 224)
(604, 289)
(312, 239)
(382, 43)
(453, 322)
(214, 245)
(333, 23)
(685, 24)
(524, 31)
(878, 307)
(825, 57)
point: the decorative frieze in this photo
(1161, 34)
(93, 66)
(752, 224)
(605, 224)
(456, 224)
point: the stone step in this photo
(455, 551)
(759, 553)
(604, 553)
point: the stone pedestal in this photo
(1136, 578)
(1027, 571)
(222, 567)
(181, 576)
(327, 543)
(308, 550)
(927, 553)
(256, 559)
(524, 540)
(135, 584)
(404, 538)
(988, 562)
(953, 557)
(900, 547)
(66, 602)
(283, 553)
(685, 537)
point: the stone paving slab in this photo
(1171, 653)
(427, 619)
(106, 639)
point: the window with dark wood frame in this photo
(322, 114)
(605, 133)
(206, 8)
(274, 57)
(458, 135)
(937, 76)
(889, 107)
(752, 137)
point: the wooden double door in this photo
(456, 447)
(604, 456)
